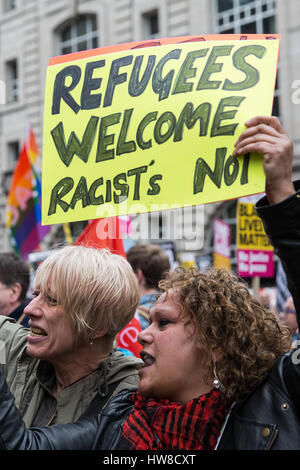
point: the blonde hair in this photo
(96, 288)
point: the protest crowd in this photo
(103, 348)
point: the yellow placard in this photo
(221, 261)
(250, 231)
(154, 128)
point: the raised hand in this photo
(265, 135)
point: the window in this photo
(244, 2)
(224, 5)
(13, 151)
(151, 24)
(79, 35)
(6, 179)
(9, 5)
(249, 28)
(246, 16)
(12, 81)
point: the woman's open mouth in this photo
(147, 359)
(35, 331)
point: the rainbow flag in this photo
(23, 212)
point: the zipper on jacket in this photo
(272, 440)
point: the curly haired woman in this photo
(208, 345)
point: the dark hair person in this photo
(14, 284)
(149, 263)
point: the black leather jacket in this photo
(97, 429)
(269, 418)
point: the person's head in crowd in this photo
(206, 330)
(150, 263)
(288, 316)
(265, 299)
(82, 298)
(14, 282)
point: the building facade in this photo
(32, 31)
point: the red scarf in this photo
(161, 424)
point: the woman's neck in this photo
(61, 386)
(77, 368)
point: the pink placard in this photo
(221, 238)
(251, 263)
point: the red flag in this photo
(103, 233)
(127, 338)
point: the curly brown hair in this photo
(228, 318)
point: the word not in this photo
(229, 170)
(176, 80)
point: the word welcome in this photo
(166, 126)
